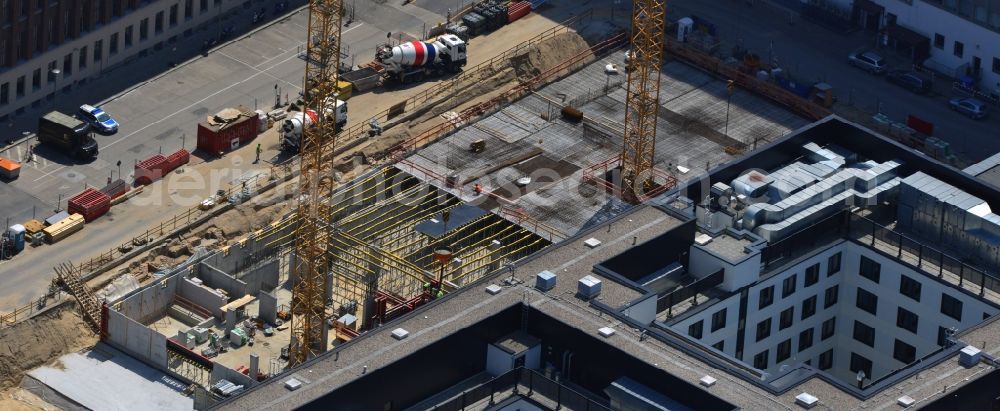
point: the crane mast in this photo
(642, 101)
(312, 235)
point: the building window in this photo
(3, 53)
(826, 360)
(719, 320)
(116, 8)
(864, 334)
(959, 49)
(909, 287)
(203, 5)
(867, 301)
(812, 275)
(68, 64)
(694, 330)
(870, 269)
(83, 57)
(996, 65)
(144, 29)
(904, 352)
(173, 15)
(906, 320)
(5, 94)
(760, 360)
(859, 363)
(788, 286)
(158, 24)
(20, 87)
(766, 297)
(36, 79)
(98, 51)
(951, 307)
(808, 307)
(721, 345)
(128, 36)
(763, 329)
(787, 316)
(113, 44)
(939, 41)
(828, 328)
(805, 339)
(830, 296)
(188, 9)
(942, 336)
(784, 351)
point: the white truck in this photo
(414, 60)
(291, 129)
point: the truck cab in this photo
(456, 48)
(70, 135)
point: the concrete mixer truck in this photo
(414, 60)
(291, 130)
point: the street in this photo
(811, 52)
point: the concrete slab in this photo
(107, 379)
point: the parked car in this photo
(913, 81)
(97, 118)
(868, 61)
(969, 106)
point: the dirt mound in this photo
(40, 340)
(548, 54)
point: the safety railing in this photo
(522, 382)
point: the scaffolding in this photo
(382, 264)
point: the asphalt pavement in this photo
(160, 114)
(812, 52)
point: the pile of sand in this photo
(550, 53)
(37, 341)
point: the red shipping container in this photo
(177, 159)
(90, 203)
(218, 139)
(517, 10)
(150, 169)
(920, 125)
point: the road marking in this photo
(259, 71)
(198, 102)
(50, 172)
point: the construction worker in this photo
(258, 154)
(31, 153)
(478, 188)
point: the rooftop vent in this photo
(400, 333)
(606, 332)
(589, 287)
(493, 289)
(545, 280)
(969, 356)
(293, 384)
(806, 400)
(708, 381)
(905, 401)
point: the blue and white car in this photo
(98, 118)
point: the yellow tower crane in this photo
(643, 100)
(315, 183)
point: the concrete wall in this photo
(261, 278)
(203, 296)
(643, 311)
(215, 278)
(267, 306)
(151, 302)
(221, 372)
(136, 339)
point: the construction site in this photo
(449, 185)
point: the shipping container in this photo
(90, 203)
(63, 228)
(151, 169)
(218, 138)
(9, 169)
(517, 10)
(177, 159)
